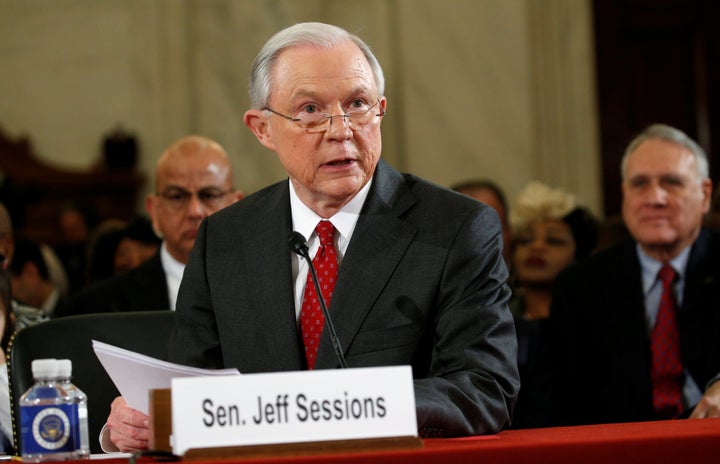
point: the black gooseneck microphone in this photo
(298, 245)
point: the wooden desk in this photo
(664, 442)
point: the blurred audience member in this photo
(117, 246)
(24, 313)
(635, 327)
(101, 250)
(7, 326)
(76, 221)
(137, 244)
(7, 317)
(492, 195)
(551, 232)
(31, 284)
(193, 179)
(56, 270)
(6, 237)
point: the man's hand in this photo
(127, 429)
(709, 405)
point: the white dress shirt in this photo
(304, 221)
(173, 274)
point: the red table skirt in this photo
(680, 441)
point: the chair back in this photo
(146, 332)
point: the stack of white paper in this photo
(135, 374)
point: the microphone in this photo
(298, 245)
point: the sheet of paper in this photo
(135, 374)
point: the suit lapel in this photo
(698, 309)
(378, 243)
(270, 286)
(627, 319)
(699, 275)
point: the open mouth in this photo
(340, 162)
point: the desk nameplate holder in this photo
(289, 439)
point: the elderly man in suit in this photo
(421, 279)
(193, 179)
(636, 327)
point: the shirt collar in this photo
(170, 265)
(650, 267)
(304, 219)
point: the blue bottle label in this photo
(50, 429)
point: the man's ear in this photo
(150, 207)
(256, 121)
(707, 188)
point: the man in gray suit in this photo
(421, 277)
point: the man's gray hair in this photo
(669, 134)
(314, 34)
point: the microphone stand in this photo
(298, 244)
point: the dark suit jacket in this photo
(600, 341)
(423, 283)
(141, 289)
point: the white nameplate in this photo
(292, 407)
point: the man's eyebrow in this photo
(301, 93)
(360, 89)
(174, 187)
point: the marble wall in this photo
(502, 89)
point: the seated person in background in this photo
(137, 244)
(420, 276)
(635, 328)
(75, 222)
(118, 246)
(7, 241)
(551, 233)
(492, 195)
(101, 250)
(7, 327)
(30, 315)
(31, 285)
(193, 179)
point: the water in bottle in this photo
(81, 439)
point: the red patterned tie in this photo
(311, 316)
(667, 370)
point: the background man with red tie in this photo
(420, 274)
(636, 328)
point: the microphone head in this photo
(297, 243)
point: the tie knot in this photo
(325, 231)
(667, 274)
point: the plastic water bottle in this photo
(50, 416)
(82, 441)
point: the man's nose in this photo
(657, 194)
(196, 207)
(339, 124)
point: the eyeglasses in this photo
(313, 120)
(180, 199)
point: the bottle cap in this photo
(64, 367)
(44, 368)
